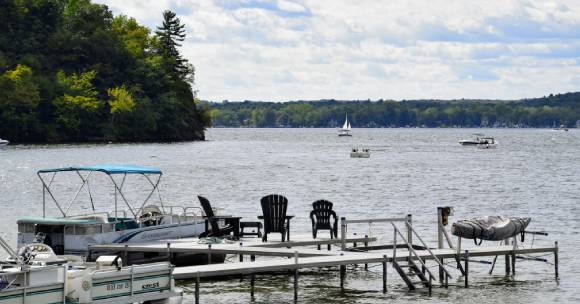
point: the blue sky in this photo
(390, 49)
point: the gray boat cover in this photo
(490, 228)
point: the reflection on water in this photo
(531, 173)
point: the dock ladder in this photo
(414, 270)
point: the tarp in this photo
(490, 228)
(108, 169)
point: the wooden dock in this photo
(408, 255)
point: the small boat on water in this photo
(72, 233)
(3, 142)
(36, 275)
(360, 153)
(479, 140)
(345, 131)
(561, 128)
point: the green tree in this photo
(169, 36)
(19, 98)
(77, 108)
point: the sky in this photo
(374, 49)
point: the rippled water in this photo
(532, 173)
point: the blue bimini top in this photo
(108, 169)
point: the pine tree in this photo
(170, 34)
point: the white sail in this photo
(346, 125)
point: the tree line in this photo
(71, 71)
(548, 111)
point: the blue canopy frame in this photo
(109, 170)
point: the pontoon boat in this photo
(72, 234)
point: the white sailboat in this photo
(345, 131)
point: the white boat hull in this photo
(46, 294)
(80, 243)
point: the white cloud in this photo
(310, 49)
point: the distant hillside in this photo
(547, 111)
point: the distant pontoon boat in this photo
(479, 140)
(3, 142)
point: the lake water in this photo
(532, 173)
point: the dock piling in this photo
(197, 289)
(466, 268)
(296, 277)
(514, 255)
(385, 274)
(507, 260)
(556, 260)
(209, 253)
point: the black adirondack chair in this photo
(274, 208)
(320, 217)
(215, 231)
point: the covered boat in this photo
(130, 220)
(490, 228)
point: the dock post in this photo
(507, 260)
(409, 231)
(440, 237)
(366, 250)
(342, 277)
(168, 252)
(318, 246)
(514, 255)
(342, 269)
(197, 288)
(556, 260)
(385, 274)
(296, 277)
(252, 280)
(252, 284)
(343, 233)
(466, 268)
(241, 255)
(209, 253)
(328, 246)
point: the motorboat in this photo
(360, 153)
(561, 128)
(479, 140)
(70, 233)
(35, 274)
(3, 142)
(345, 130)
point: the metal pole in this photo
(466, 268)
(209, 253)
(343, 232)
(514, 255)
(252, 284)
(440, 238)
(366, 249)
(507, 260)
(409, 230)
(385, 274)
(197, 288)
(252, 279)
(169, 252)
(43, 202)
(342, 277)
(296, 277)
(556, 260)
